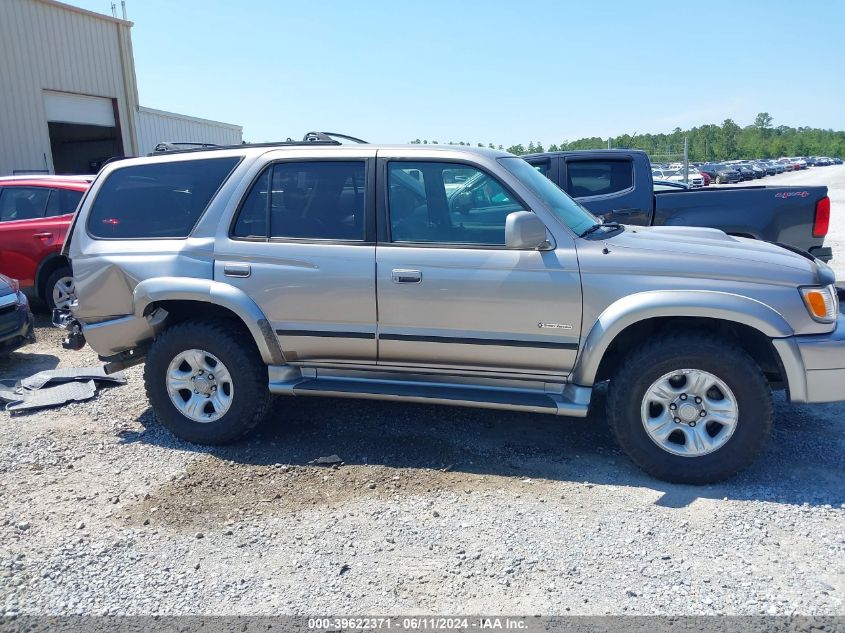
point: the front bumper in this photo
(815, 365)
(16, 325)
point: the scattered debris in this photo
(71, 374)
(23, 399)
(54, 387)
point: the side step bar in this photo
(573, 402)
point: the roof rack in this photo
(311, 138)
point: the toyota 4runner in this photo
(441, 275)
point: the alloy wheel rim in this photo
(199, 385)
(689, 412)
(64, 292)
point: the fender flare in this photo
(638, 307)
(158, 289)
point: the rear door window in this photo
(312, 200)
(22, 203)
(63, 202)
(601, 177)
(157, 200)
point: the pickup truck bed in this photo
(617, 185)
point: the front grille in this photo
(9, 321)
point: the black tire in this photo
(643, 366)
(250, 395)
(51, 282)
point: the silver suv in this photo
(441, 275)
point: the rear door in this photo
(54, 227)
(24, 240)
(302, 245)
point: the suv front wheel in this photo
(204, 385)
(690, 409)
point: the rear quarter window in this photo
(159, 200)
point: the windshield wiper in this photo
(597, 226)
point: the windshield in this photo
(565, 208)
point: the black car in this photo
(16, 327)
(768, 167)
(759, 172)
(720, 173)
(745, 172)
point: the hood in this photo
(711, 253)
(5, 286)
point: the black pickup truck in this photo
(617, 185)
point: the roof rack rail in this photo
(331, 136)
(311, 138)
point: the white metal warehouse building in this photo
(69, 97)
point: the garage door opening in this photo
(82, 149)
(84, 131)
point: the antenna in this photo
(113, 10)
(123, 8)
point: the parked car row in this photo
(702, 174)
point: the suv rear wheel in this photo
(59, 290)
(690, 409)
(204, 385)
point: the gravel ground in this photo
(434, 510)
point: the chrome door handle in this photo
(236, 270)
(43, 236)
(404, 276)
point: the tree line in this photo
(727, 141)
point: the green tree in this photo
(763, 121)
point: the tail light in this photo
(822, 221)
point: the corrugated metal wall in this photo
(46, 46)
(155, 126)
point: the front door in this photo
(451, 295)
(299, 246)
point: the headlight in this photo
(13, 283)
(822, 303)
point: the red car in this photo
(35, 214)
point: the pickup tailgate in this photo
(775, 214)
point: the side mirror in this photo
(525, 231)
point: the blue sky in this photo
(488, 70)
